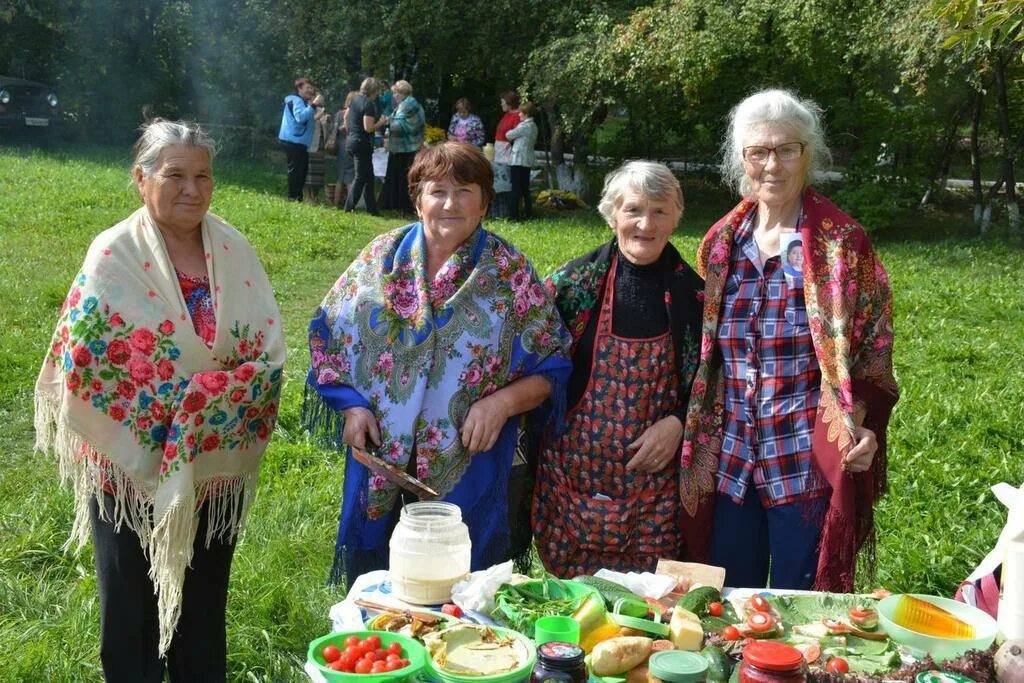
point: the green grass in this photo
(960, 339)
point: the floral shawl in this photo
(419, 355)
(130, 397)
(849, 306)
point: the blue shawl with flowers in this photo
(418, 354)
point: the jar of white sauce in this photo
(430, 552)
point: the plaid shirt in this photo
(772, 380)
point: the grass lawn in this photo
(955, 432)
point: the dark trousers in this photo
(298, 165)
(129, 630)
(747, 538)
(363, 183)
(395, 193)
(520, 190)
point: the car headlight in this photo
(52, 99)
(5, 97)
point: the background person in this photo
(607, 489)
(522, 160)
(159, 411)
(503, 154)
(432, 342)
(346, 166)
(406, 128)
(798, 446)
(362, 123)
(296, 133)
(466, 126)
(316, 174)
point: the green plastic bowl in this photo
(520, 674)
(940, 649)
(414, 652)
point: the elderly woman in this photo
(786, 423)
(362, 121)
(607, 488)
(406, 128)
(158, 395)
(432, 342)
(466, 126)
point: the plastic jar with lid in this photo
(559, 662)
(770, 661)
(430, 552)
(676, 666)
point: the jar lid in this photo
(561, 654)
(773, 655)
(934, 676)
(677, 666)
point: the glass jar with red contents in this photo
(559, 663)
(769, 661)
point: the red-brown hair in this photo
(459, 161)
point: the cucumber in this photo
(719, 664)
(611, 592)
(698, 599)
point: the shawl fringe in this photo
(169, 542)
(325, 424)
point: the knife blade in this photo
(378, 465)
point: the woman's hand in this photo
(360, 428)
(483, 424)
(862, 454)
(656, 447)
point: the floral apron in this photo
(589, 511)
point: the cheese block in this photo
(685, 630)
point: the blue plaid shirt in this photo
(772, 380)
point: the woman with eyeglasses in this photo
(795, 385)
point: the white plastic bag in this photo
(476, 592)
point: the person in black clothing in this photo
(362, 122)
(607, 492)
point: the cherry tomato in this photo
(363, 666)
(715, 609)
(352, 641)
(373, 640)
(382, 654)
(392, 657)
(393, 665)
(760, 622)
(759, 604)
(336, 665)
(331, 654)
(379, 667)
(452, 610)
(730, 632)
(370, 656)
(837, 665)
(395, 648)
(405, 662)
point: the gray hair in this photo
(649, 178)
(804, 116)
(402, 87)
(159, 134)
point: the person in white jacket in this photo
(523, 138)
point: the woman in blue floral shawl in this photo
(435, 338)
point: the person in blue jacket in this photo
(297, 132)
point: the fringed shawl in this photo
(419, 354)
(130, 399)
(849, 306)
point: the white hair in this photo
(650, 178)
(773, 106)
(160, 134)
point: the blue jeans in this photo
(748, 539)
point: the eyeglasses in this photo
(788, 151)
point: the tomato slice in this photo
(864, 617)
(759, 604)
(760, 622)
(810, 651)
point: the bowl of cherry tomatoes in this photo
(367, 657)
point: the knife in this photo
(378, 465)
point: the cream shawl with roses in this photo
(131, 400)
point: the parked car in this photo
(27, 105)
